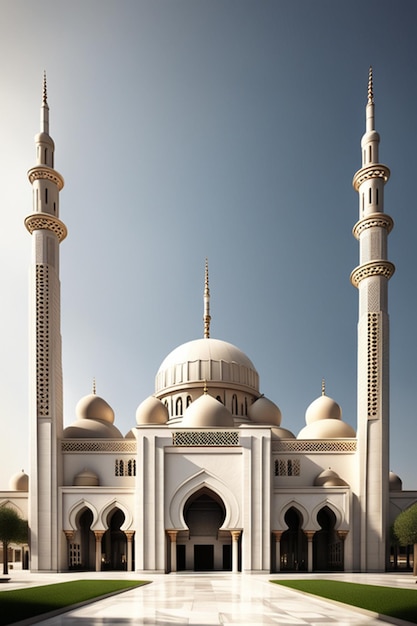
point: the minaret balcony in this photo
(374, 220)
(44, 221)
(375, 170)
(46, 173)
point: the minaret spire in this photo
(207, 317)
(44, 107)
(371, 279)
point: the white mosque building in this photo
(208, 478)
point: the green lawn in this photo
(392, 601)
(19, 604)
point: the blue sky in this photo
(227, 129)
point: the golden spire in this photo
(323, 387)
(94, 386)
(370, 87)
(207, 317)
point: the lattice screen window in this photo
(287, 467)
(125, 468)
(74, 554)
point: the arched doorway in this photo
(293, 543)
(327, 546)
(114, 543)
(205, 547)
(82, 549)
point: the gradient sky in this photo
(227, 129)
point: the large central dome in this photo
(210, 360)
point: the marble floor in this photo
(219, 598)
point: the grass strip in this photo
(391, 601)
(20, 604)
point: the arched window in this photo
(189, 400)
(178, 406)
(234, 404)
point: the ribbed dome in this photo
(151, 411)
(206, 360)
(19, 482)
(327, 429)
(86, 478)
(329, 478)
(93, 407)
(395, 482)
(264, 411)
(91, 429)
(281, 433)
(323, 408)
(207, 412)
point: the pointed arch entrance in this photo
(114, 542)
(293, 543)
(82, 545)
(328, 547)
(204, 546)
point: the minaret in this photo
(371, 278)
(46, 412)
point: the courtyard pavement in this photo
(203, 599)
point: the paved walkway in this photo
(206, 599)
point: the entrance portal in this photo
(205, 547)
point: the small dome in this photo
(327, 429)
(207, 412)
(323, 408)
(91, 429)
(151, 411)
(19, 482)
(281, 433)
(395, 482)
(130, 434)
(86, 478)
(264, 411)
(329, 478)
(93, 407)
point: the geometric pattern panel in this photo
(205, 438)
(287, 467)
(329, 445)
(125, 468)
(42, 340)
(373, 365)
(75, 445)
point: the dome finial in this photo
(323, 387)
(205, 389)
(207, 317)
(94, 386)
(370, 87)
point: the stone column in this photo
(277, 534)
(98, 534)
(235, 550)
(172, 534)
(310, 534)
(69, 534)
(129, 535)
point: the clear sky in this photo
(227, 129)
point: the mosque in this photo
(208, 478)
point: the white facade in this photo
(208, 479)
